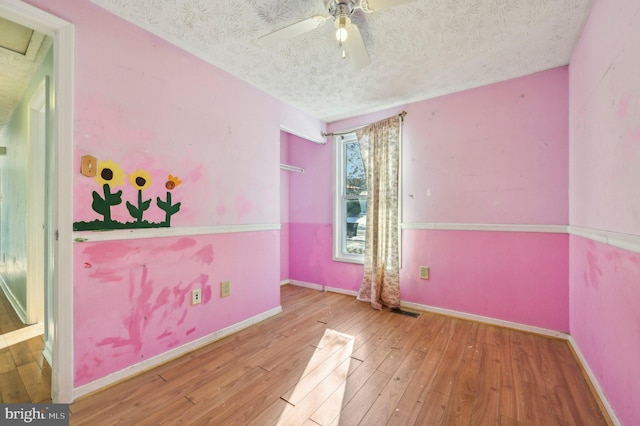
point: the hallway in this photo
(25, 376)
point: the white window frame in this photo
(339, 219)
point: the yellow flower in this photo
(172, 182)
(140, 180)
(109, 173)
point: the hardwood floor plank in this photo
(458, 346)
(273, 414)
(359, 405)
(341, 362)
(386, 402)
(433, 409)
(37, 385)
(534, 403)
(415, 395)
(486, 405)
(319, 368)
(12, 390)
(509, 392)
(306, 406)
(245, 404)
(6, 361)
(21, 353)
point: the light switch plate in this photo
(88, 165)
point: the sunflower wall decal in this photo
(141, 181)
(169, 209)
(110, 175)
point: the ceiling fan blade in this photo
(356, 50)
(293, 30)
(376, 5)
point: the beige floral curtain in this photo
(380, 150)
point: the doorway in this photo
(58, 238)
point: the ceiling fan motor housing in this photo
(341, 8)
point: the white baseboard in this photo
(17, 307)
(448, 312)
(487, 320)
(306, 285)
(321, 288)
(594, 381)
(171, 354)
(341, 291)
(47, 353)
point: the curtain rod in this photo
(345, 132)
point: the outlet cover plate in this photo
(424, 272)
(225, 289)
(196, 296)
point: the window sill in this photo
(349, 258)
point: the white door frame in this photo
(36, 205)
(62, 32)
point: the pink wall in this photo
(605, 120)
(146, 104)
(132, 299)
(605, 320)
(284, 208)
(493, 155)
(311, 218)
(604, 176)
(513, 276)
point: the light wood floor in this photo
(331, 360)
(25, 376)
(9, 320)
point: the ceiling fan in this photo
(347, 34)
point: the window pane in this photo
(356, 224)
(354, 174)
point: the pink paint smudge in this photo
(243, 206)
(205, 255)
(207, 292)
(108, 252)
(166, 333)
(190, 331)
(182, 244)
(107, 275)
(141, 312)
(594, 269)
(631, 141)
(623, 107)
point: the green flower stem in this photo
(137, 212)
(167, 215)
(107, 196)
(103, 205)
(169, 209)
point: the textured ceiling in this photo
(16, 71)
(418, 50)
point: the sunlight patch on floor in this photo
(321, 387)
(20, 335)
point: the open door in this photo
(36, 204)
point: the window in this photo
(350, 205)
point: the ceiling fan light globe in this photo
(341, 35)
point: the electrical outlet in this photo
(225, 288)
(196, 296)
(424, 272)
